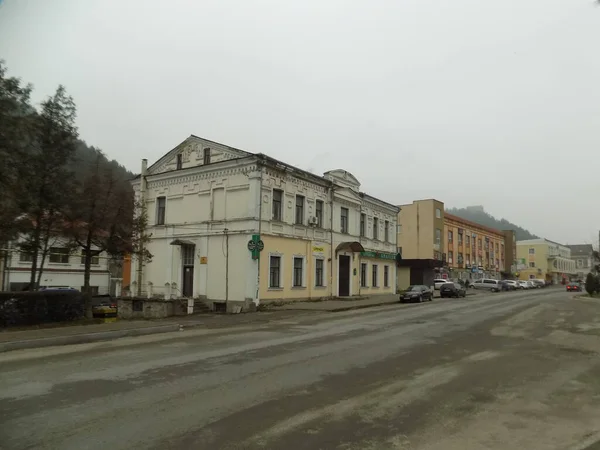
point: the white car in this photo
(514, 284)
(437, 283)
(523, 285)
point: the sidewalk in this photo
(339, 305)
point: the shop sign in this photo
(379, 255)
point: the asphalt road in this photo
(504, 371)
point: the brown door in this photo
(188, 281)
(344, 276)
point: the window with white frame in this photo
(438, 213)
(277, 204)
(363, 275)
(375, 281)
(386, 231)
(161, 208)
(344, 220)
(363, 224)
(319, 213)
(95, 258)
(299, 210)
(275, 271)
(375, 228)
(25, 257)
(298, 275)
(532, 251)
(59, 255)
(319, 272)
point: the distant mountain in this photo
(86, 155)
(478, 214)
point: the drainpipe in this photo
(226, 266)
(331, 249)
(140, 263)
(260, 165)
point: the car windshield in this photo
(413, 288)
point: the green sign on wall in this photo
(379, 255)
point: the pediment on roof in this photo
(343, 178)
(347, 194)
(195, 151)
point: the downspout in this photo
(226, 266)
(140, 262)
(260, 164)
(331, 250)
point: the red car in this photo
(574, 287)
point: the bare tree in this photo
(49, 184)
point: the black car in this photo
(416, 293)
(574, 287)
(452, 290)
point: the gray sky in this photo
(468, 101)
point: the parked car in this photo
(438, 282)
(505, 286)
(453, 290)
(523, 284)
(538, 283)
(416, 293)
(574, 287)
(513, 284)
(104, 306)
(487, 283)
(531, 284)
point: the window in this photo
(374, 280)
(277, 198)
(25, 257)
(206, 155)
(298, 272)
(386, 231)
(438, 213)
(479, 243)
(450, 236)
(161, 203)
(319, 213)
(450, 257)
(398, 229)
(319, 275)
(363, 275)
(532, 264)
(375, 228)
(275, 272)
(188, 255)
(363, 219)
(344, 220)
(468, 240)
(386, 276)
(460, 238)
(95, 258)
(179, 161)
(299, 209)
(438, 236)
(497, 263)
(468, 260)
(460, 258)
(532, 251)
(59, 255)
(497, 248)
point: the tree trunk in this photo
(43, 260)
(35, 247)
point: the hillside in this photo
(478, 214)
(86, 155)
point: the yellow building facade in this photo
(473, 250)
(544, 259)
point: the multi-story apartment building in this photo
(234, 228)
(421, 241)
(583, 255)
(472, 250)
(510, 251)
(545, 259)
(63, 267)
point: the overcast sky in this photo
(467, 101)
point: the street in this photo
(502, 371)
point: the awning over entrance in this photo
(182, 242)
(349, 246)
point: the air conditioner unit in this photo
(313, 220)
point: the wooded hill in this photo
(479, 215)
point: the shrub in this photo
(33, 308)
(591, 283)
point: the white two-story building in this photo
(235, 228)
(63, 267)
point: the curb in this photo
(85, 338)
(350, 308)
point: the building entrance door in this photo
(187, 260)
(344, 276)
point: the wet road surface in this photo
(504, 371)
